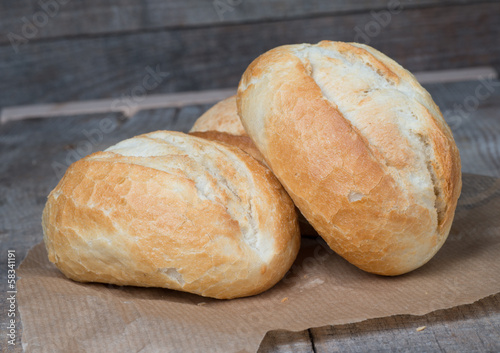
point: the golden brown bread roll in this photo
(222, 117)
(166, 209)
(361, 148)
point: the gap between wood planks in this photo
(176, 100)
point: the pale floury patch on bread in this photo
(222, 117)
(361, 148)
(166, 209)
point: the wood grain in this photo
(215, 57)
(158, 101)
(286, 341)
(67, 18)
(466, 328)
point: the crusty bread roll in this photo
(361, 148)
(166, 209)
(222, 117)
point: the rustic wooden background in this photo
(63, 50)
(75, 50)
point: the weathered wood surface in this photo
(66, 18)
(115, 65)
(466, 328)
(181, 99)
(30, 149)
(151, 101)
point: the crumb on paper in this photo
(421, 328)
(284, 299)
(201, 303)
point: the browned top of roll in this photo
(171, 210)
(361, 148)
(222, 117)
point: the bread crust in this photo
(222, 117)
(243, 142)
(170, 210)
(360, 147)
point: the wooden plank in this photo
(156, 101)
(455, 75)
(467, 328)
(478, 140)
(286, 341)
(448, 96)
(170, 100)
(63, 18)
(209, 58)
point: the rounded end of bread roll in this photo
(170, 210)
(222, 117)
(360, 147)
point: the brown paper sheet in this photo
(60, 315)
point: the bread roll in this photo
(361, 148)
(166, 209)
(222, 117)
